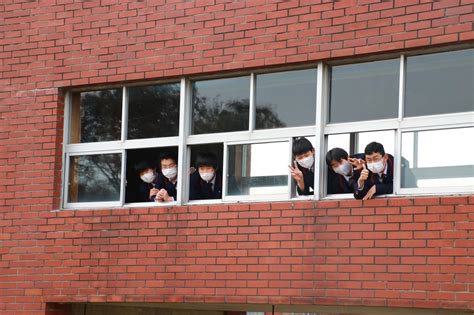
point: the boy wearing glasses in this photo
(376, 178)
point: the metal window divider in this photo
(65, 158)
(398, 134)
(321, 105)
(183, 152)
(123, 138)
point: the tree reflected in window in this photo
(287, 97)
(96, 116)
(221, 105)
(153, 111)
(94, 178)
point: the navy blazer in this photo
(199, 189)
(383, 187)
(308, 178)
(162, 181)
(337, 183)
(144, 191)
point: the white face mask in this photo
(376, 167)
(170, 173)
(148, 177)
(206, 176)
(306, 162)
(345, 169)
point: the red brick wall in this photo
(401, 252)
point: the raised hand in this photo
(297, 175)
(364, 174)
(357, 163)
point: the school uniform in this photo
(163, 182)
(383, 181)
(144, 191)
(340, 184)
(308, 178)
(200, 189)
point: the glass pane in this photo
(286, 99)
(96, 116)
(153, 111)
(94, 178)
(221, 105)
(428, 166)
(386, 138)
(258, 169)
(364, 91)
(354, 143)
(440, 83)
(339, 141)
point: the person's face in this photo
(148, 170)
(335, 164)
(375, 157)
(206, 169)
(167, 163)
(304, 155)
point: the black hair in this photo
(336, 154)
(167, 155)
(374, 147)
(301, 145)
(206, 159)
(143, 165)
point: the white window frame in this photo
(321, 129)
(401, 125)
(237, 198)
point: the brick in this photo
(445, 4)
(407, 252)
(412, 210)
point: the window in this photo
(94, 178)
(408, 104)
(136, 190)
(206, 160)
(276, 90)
(426, 166)
(153, 111)
(221, 105)
(258, 169)
(439, 83)
(365, 91)
(420, 107)
(96, 116)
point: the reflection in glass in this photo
(438, 158)
(286, 99)
(96, 116)
(386, 138)
(258, 169)
(339, 141)
(221, 105)
(440, 83)
(364, 91)
(153, 111)
(354, 143)
(94, 178)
